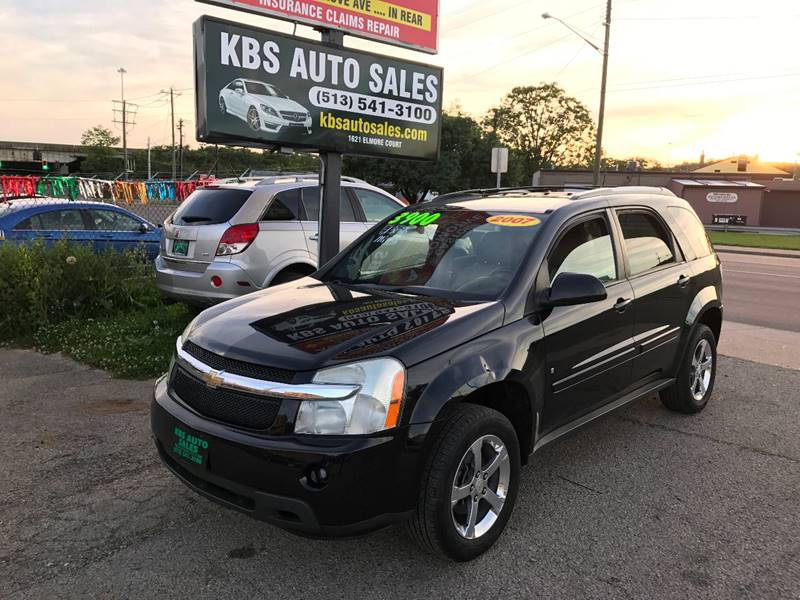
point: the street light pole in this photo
(598, 147)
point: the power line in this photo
(513, 58)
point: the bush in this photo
(42, 285)
(138, 343)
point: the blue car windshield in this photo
(441, 251)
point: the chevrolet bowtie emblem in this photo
(213, 378)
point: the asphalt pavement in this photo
(762, 290)
(644, 503)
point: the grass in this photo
(755, 240)
(136, 344)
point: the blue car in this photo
(101, 225)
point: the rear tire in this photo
(696, 374)
(464, 506)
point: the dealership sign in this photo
(410, 23)
(726, 197)
(260, 88)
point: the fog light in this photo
(216, 281)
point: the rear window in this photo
(210, 207)
(692, 231)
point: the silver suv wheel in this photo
(480, 487)
(702, 363)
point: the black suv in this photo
(410, 377)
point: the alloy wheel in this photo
(480, 487)
(222, 108)
(702, 364)
(253, 120)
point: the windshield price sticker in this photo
(513, 220)
(260, 88)
(415, 218)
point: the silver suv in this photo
(237, 237)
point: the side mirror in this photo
(144, 228)
(575, 288)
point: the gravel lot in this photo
(642, 503)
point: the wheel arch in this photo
(481, 375)
(299, 264)
(706, 308)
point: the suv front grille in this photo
(243, 410)
(238, 367)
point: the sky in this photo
(685, 77)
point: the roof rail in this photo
(520, 190)
(626, 190)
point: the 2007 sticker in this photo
(513, 220)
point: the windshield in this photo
(263, 89)
(449, 252)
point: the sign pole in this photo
(330, 181)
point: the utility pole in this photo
(180, 130)
(149, 171)
(599, 145)
(127, 118)
(172, 95)
(598, 148)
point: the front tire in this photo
(223, 108)
(696, 375)
(469, 485)
(253, 120)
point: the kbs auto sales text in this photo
(328, 67)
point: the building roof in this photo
(740, 164)
(726, 183)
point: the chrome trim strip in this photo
(658, 337)
(260, 387)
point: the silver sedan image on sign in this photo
(262, 106)
(260, 88)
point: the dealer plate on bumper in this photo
(189, 447)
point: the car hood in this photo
(306, 325)
(280, 103)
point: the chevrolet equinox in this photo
(409, 378)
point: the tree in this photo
(99, 137)
(623, 164)
(544, 127)
(100, 153)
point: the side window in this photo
(647, 243)
(24, 225)
(285, 206)
(376, 206)
(311, 204)
(692, 229)
(585, 248)
(110, 220)
(58, 220)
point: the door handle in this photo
(314, 237)
(683, 281)
(622, 304)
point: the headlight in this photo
(375, 407)
(187, 331)
(269, 110)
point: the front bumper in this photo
(273, 123)
(195, 287)
(371, 481)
